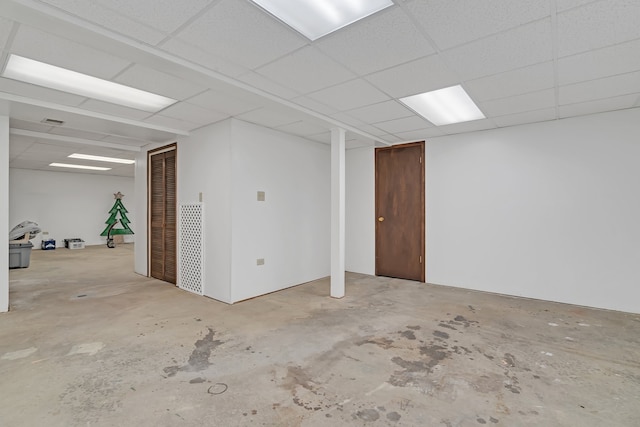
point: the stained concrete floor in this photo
(89, 343)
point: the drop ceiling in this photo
(521, 61)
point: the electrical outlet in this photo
(260, 261)
(45, 233)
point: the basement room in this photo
(320, 213)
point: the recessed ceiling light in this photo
(41, 74)
(65, 165)
(317, 18)
(444, 106)
(101, 158)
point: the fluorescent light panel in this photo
(101, 158)
(317, 18)
(65, 165)
(444, 106)
(41, 74)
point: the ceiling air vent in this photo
(53, 122)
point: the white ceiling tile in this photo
(306, 70)
(41, 155)
(313, 105)
(403, 125)
(125, 141)
(26, 113)
(193, 113)
(38, 92)
(472, 126)
(41, 46)
(526, 45)
(114, 109)
(515, 82)
(28, 164)
(170, 122)
(205, 59)
(618, 59)
(350, 95)
(387, 110)
(381, 41)
(420, 134)
(391, 139)
(19, 144)
(422, 75)
(526, 117)
(602, 88)
(303, 128)
(519, 103)
(74, 133)
(155, 81)
(242, 33)
(262, 83)
(562, 5)
(324, 137)
(36, 127)
(114, 153)
(372, 130)
(163, 15)
(227, 103)
(270, 117)
(107, 18)
(347, 119)
(451, 23)
(5, 30)
(123, 170)
(358, 143)
(598, 106)
(43, 146)
(598, 24)
(69, 148)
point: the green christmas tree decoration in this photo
(118, 213)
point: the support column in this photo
(4, 206)
(337, 212)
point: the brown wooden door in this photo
(400, 211)
(162, 215)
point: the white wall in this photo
(229, 163)
(548, 210)
(68, 205)
(360, 215)
(4, 208)
(204, 166)
(290, 230)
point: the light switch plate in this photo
(260, 261)
(261, 196)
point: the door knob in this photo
(380, 218)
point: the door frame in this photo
(422, 231)
(169, 147)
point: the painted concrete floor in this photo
(89, 343)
